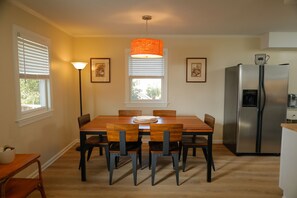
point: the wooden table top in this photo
(190, 123)
(20, 161)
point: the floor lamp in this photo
(79, 66)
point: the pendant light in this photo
(146, 47)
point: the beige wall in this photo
(186, 98)
(50, 135)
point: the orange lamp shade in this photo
(146, 48)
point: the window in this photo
(33, 76)
(146, 81)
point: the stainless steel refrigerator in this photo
(255, 106)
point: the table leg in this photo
(209, 157)
(82, 156)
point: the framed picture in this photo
(196, 70)
(100, 70)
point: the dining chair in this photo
(165, 141)
(197, 142)
(130, 112)
(93, 141)
(166, 113)
(123, 141)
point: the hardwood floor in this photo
(244, 176)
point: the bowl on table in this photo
(145, 119)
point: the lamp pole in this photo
(80, 96)
(79, 66)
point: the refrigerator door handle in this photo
(264, 95)
(262, 101)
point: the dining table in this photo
(192, 125)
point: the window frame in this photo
(33, 115)
(146, 103)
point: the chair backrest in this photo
(131, 131)
(84, 119)
(122, 133)
(157, 132)
(130, 112)
(166, 133)
(209, 120)
(167, 113)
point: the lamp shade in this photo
(146, 48)
(79, 65)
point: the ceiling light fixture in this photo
(146, 47)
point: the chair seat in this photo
(130, 146)
(97, 140)
(92, 141)
(158, 146)
(198, 141)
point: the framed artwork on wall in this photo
(196, 70)
(100, 70)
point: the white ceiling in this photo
(170, 17)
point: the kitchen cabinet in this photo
(288, 161)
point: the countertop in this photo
(290, 126)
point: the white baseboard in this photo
(53, 159)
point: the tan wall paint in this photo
(186, 98)
(50, 135)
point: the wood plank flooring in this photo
(244, 176)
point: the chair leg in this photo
(89, 153)
(140, 158)
(117, 159)
(134, 167)
(173, 164)
(205, 155)
(180, 150)
(185, 155)
(107, 157)
(111, 166)
(150, 159)
(194, 152)
(212, 163)
(100, 151)
(194, 148)
(175, 161)
(140, 153)
(154, 164)
(79, 164)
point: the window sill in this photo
(28, 120)
(146, 104)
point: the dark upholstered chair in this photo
(123, 141)
(197, 142)
(128, 113)
(165, 141)
(92, 141)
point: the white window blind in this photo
(33, 59)
(146, 67)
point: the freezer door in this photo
(274, 113)
(247, 108)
